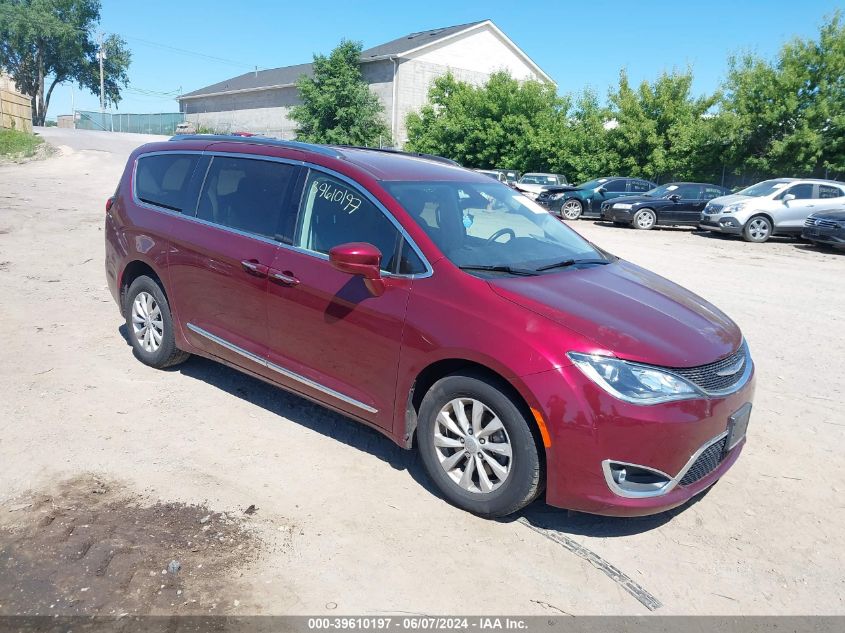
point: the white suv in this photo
(772, 207)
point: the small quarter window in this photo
(163, 180)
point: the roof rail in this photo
(390, 150)
(261, 140)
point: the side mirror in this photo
(674, 197)
(787, 197)
(601, 190)
(361, 259)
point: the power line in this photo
(185, 51)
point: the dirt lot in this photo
(345, 522)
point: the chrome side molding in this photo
(280, 370)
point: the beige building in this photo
(400, 72)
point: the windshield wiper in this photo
(571, 262)
(502, 269)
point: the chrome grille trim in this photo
(709, 379)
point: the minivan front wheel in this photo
(757, 229)
(477, 446)
(149, 324)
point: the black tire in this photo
(644, 220)
(757, 229)
(523, 482)
(575, 210)
(166, 354)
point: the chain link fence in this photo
(153, 123)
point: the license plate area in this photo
(738, 426)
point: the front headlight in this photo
(622, 205)
(631, 382)
(733, 208)
(556, 196)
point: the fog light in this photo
(628, 480)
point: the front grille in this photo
(707, 378)
(713, 207)
(827, 224)
(706, 463)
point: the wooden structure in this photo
(15, 108)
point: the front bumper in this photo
(553, 206)
(609, 214)
(825, 235)
(721, 224)
(589, 426)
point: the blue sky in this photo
(577, 43)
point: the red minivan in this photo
(438, 306)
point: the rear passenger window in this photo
(335, 213)
(712, 192)
(163, 180)
(639, 186)
(249, 195)
(828, 191)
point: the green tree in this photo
(788, 116)
(44, 43)
(659, 127)
(504, 123)
(583, 152)
(337, 105)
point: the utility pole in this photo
(102, 55)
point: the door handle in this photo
(284, 278)
(253, 267)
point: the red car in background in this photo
(438, 306)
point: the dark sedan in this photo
(673, 204)
(825, 228)
(573, 202)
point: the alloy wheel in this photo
(758, 229)
(472, 445)
(571, 209)
(147, 322)
(645, 219)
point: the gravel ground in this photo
(345, 522)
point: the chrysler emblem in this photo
(730, 371)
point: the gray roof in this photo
(287, 75)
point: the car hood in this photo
(837, 216)
(531, 187)
(561, 188)
(629, 312)
(637, 200)
(734, 197)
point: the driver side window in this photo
(801, 192)
(334, 213)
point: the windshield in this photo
(538, 179)
(661, 192)
(481, 224)
(592, 184)
(763, 188)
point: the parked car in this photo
(825, 228)
(511, 175)
(674, 204)
(494, 174)
(586, 199)
(434, 305)
(532, 184)
(772, 207)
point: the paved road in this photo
(348, 521)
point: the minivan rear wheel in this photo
(150, 324)
(477, 446)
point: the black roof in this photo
(287, 75)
